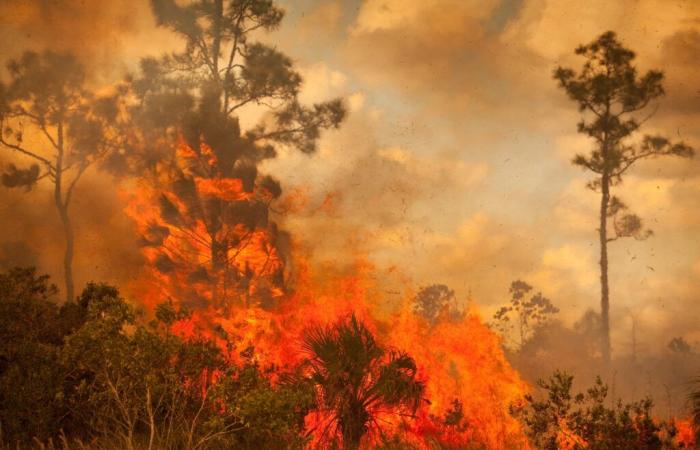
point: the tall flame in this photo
(461, 361)
(191, 254)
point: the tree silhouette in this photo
(679, 345)
(560, 418)
(223, 67)
(48, 115)
(528, 312)
(214, 205)
(357, 379)
(610, 94)
(434, 301)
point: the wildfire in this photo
(567, 439)
(685, 437)
(229, 273)
(462, 361)
(206, 235)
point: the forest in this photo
(196, 257)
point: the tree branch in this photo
(69, 191)
(26, 152)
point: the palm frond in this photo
(357, 379)
(396, 384)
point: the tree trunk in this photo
(604, 289)
(151, 419)
(522, 329)
(218, 269)
(351, 441)
(68, 255)
(217, 34)
(352, 426)
(62, 207)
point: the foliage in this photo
(610, 94)
(395, 442)
(222, 65)
(29, 343)
(528, 313)
(213, 205)
(93, 370)
(50, 117)
(266, 416)
(357, 380)
(564, 420)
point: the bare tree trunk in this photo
(130, 437)
(604, 289)
(351, 441)
(62, 207)
(218, 266)
(352, 427)
(522, 329)
(216, 42)
(151, 419)
(69, 250)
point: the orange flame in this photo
(686, 436)
(568, 439)
(459, 360)
(182, 262)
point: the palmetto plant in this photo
(358, 381)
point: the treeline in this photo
(95, 373)
(537, 343)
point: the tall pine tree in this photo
(611, 96)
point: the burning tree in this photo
(50, 117)
(561, 419)
(211, 227)
(610, 94)
(209, 231)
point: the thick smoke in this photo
(453, 166)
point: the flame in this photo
(187, 257)
(686, 434)
(459, 360)
(568, 439)
(463, 360)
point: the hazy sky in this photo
(454, 164)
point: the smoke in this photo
(107, 37)
(106, 247)
(468, 85)
(452, 168)
(641, 370)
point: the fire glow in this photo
(226, 312)
(459, 361)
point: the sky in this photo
(454, 165)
